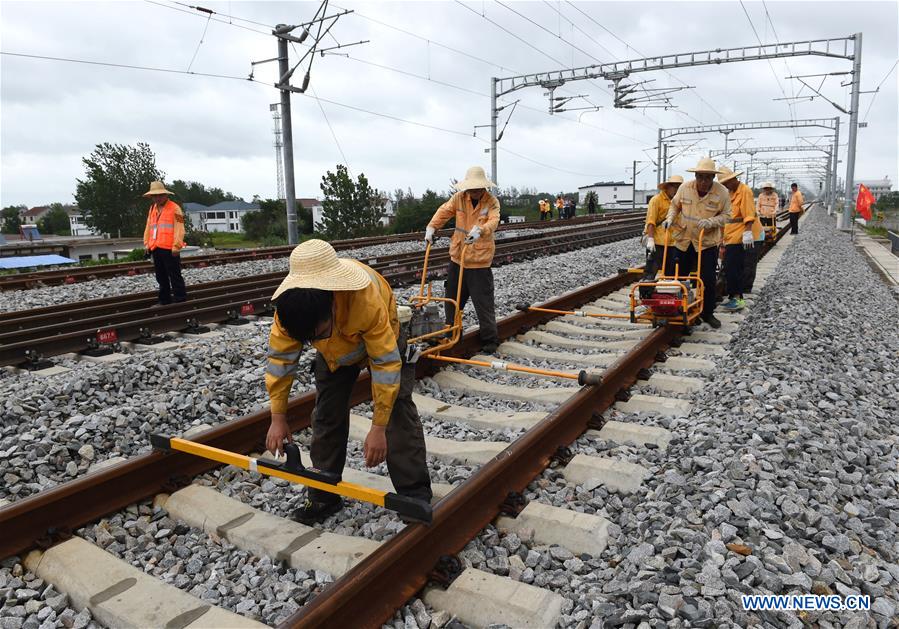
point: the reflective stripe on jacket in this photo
(742, 211)
(767, 204)
(656, 213)
(479, 254)
(165, 227)
(688, 208)
(365, 329)
(796, 202)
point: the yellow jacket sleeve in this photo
(651, 212)
(178, 237)
(385, 364)
(444, 212)
(281, 367)
(489, 226)
(749, 211)
(674, 208)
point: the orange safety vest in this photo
(161, 226)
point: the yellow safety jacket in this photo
(688, 208)
(365, 331)
(796, 202)
(742, 211)
(767, 204)
(479, 254)
(655, 214)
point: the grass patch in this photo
(228, 240)
(876, 231)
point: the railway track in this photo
(378, 579)
(36, 279)
(28, 337)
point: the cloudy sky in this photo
(402, 108)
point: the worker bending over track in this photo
(700, 204)
(654, 234)
(476, 212)
(348, 313)
(739, 238)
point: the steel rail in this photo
(33, 279)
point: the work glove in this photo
(706, 223)
(747, 240)
(429, 235)
(649, 243)
(669, 220)
(474, 234)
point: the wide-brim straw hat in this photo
(768, 184)
(705, 165)
(157, 187)
(475, 178)
(314, 264)
(726, 174)
(671, 179)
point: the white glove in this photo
(747, 239)
(669, 220)
(705, 223)
(649, 243)
(429, 235)
(474, 234)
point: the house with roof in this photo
(33, 215)
(222, 217)
(608, 193)
(878, 187)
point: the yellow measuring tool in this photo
(292, 470)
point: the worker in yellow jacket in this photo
(544, 208)
(654, 235)
(795, 209)
(476, 213)
(738, 235)
(766, 205)
(347, 312)
(700, 206)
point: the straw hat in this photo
(314, 264)
(726, 174)
(157, 188)
(768, 184)
(671, 179)
(705, 165)
(475, 178)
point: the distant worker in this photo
(591, 205)
(544, 208)
(164, 239)
(560, 206)
(767, 204)
(476, 212)
(796, 202)
(654, 234)
(347, 312)
(738, 235)
(700, 204)
(569, 208)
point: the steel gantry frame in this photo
(849, 48)
(827, 123)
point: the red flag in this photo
(864, 201)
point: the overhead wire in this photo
(877, 89)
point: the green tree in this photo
(110, 194)
(414, 214)
(10, 218)
(56, 221)
(349, 209)
(889, 201)
(194, 192)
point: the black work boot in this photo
(312, 512)
(712, 321)
(489, 348)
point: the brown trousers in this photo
(406, 455)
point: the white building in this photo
(608, 193)
(315, 206)
(878, 187)
(77, 226)
(221, 217)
